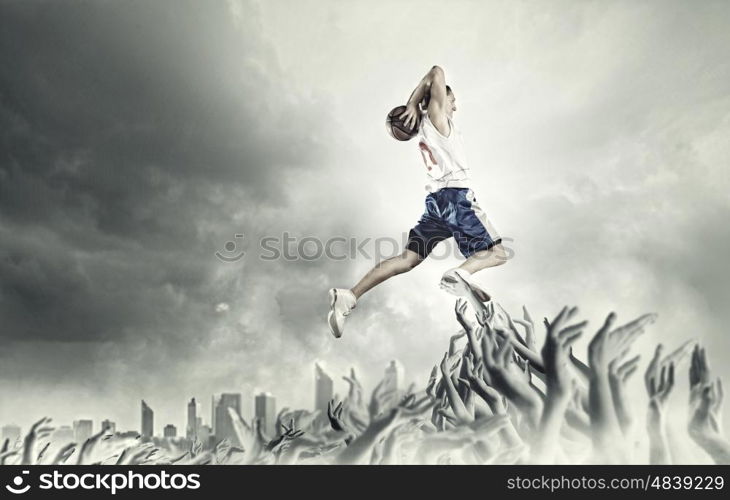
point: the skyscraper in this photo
(192, 427)
(82, 430)
(204, 433)
(393, 384)
(110, 426)
(222, 424)
(323, 388)
(394, 375)
(265, 411)
(147, 420)
(170, 431)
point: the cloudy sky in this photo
(138, 138)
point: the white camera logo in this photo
(19, 489)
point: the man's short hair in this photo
(427, 97)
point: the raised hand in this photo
(136, 454)
(556, 354)
(88, 447)
(659, 387)
(412, 409)
(202, 458)
(355, 394)
(676, 357)
(378, 400)
(248, 436)
(476, 381)
(455, 401)
(334, 414)
(222, 451)
(699, 374)
(680, 353)
(501, 324)
(303, 419)
(472, 330)
(7, 454)
(558, 380)
(36, 432)
(607, 345)
(510, 325)
(509, 380)
(618, 375)
(529, 326)
(282, 442)
(196, 447)
(454, 340)
(432, 381)
(706, 398)
(407, 410)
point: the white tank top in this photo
(443, 156)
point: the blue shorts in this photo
(453, 212)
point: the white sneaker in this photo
(342, 301)
(459, 281)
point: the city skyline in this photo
(323, 388)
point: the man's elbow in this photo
(436, 75)
(437, 70)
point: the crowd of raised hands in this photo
(496, 397)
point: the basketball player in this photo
(451, 208)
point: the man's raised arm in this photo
(433, 85)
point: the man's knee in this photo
(500, 254)
(495, 256)
(410, 259)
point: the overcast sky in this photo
(137, 138)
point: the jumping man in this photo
(451, 208)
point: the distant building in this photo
(170, 431)
(204, 434)
(148, 417)
(11, 432)
(82, 430)
(193, 421)
(222, 424)
(323, 390)
(265, 412)
(63, 434)
(111, 427)
(394, 375)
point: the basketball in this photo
(395, 126)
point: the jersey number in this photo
(428, 160)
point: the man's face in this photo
(451, 104)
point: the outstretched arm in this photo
(434, 85)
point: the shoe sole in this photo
(453, 286)
(333, 326)
(460, 288)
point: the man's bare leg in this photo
(495, 256)
(343, 300)
(387, 269)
